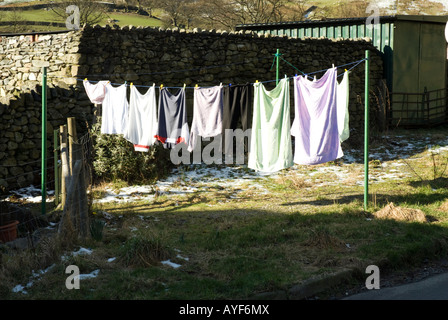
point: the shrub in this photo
(114, 158)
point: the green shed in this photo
(414, 52)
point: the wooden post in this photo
(75, 212)
(72, 137)
(81, 193)
(68, 214)
(56, 167)
(44, 141)
(65, 168)
(366, 132)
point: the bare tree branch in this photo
(91, 12)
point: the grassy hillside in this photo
(325, 9)
(119, 18)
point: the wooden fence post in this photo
(81, 192)
(69, 212)
(72, 138)
(56, 167)
(75, 212)
(65, 168)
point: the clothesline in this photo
(325, 106)
(355, 63)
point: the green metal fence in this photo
(418, 109)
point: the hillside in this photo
(46, 20)
(19, 19)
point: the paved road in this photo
(431, 288)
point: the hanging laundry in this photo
(142, 124)
(236, 106)
(236, 110)
(315, 125)
(207, 114)
(270, 145)
(342, 103)
(173, 126)
(114, 110)
(95, 92)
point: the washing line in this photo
(366, 145)
(355, 63)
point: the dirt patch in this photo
(400, 214)
(444, 206)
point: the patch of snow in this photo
(31, 194)
(81, 251)
(35, 276)
(181, 257)
(19, 289)
(171, 264)
(91, 275)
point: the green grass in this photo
(256, 242)
(126, 19)
(122, 19)
(237, 248)
(36, 15)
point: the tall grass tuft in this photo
(143, 250)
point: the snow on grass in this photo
(81, 251)
(188, 179)
(171, 264)
(90, 275)
(31, 194)
(38, 274)
(34, 277)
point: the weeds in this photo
(144, 250)
(436, 164)
(321, 238)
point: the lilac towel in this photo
(315, 126)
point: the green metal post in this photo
(278, 64)
(366, 133)
(56, 166)
(44, 138)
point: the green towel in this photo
(270, 145)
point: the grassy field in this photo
(224, 240)
(121, 19)
(326, 8)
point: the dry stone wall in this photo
(144, 56)
(21, 64)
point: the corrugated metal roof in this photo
(342, 21)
